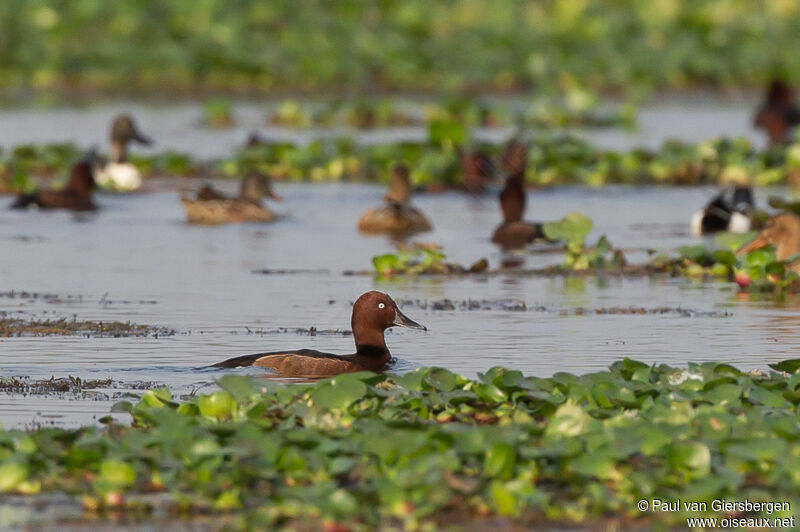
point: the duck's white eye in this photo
(381, 305)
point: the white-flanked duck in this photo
(731, 210)
(118, 173)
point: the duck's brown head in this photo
(255, 186)
(373, 313)
(515, 157)
(779, 94)
(477, 168)
(781, 231)
(399, 189)
(81, 178)
(512, 199)
(124, 130)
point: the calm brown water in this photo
(137, 260)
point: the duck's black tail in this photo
(24, 201)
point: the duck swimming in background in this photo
(212, 207)
(118, 173)
(781, 231)
(514, 233)
(778, 114)
(75, 196)
(731, 210)
(396, 217)
(373, 313)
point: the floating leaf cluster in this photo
(421, 259)
(367, 450)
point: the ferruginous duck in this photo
(373, 313)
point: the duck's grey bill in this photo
(404, 321)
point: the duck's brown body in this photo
(373, 313)
(516, 235)
(396, 217)
(213, 208)
(229, 211)
(75, 196)
(309, 363)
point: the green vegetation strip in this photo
(368, 450)
(553, 159)
(413, 45)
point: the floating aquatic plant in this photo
(573, 230)
(366, 450)
(421, 259)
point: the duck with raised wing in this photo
(118, 173)
(75, 196)
(373, 313)
(396, 217)
(212, 207)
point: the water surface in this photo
(137, 260)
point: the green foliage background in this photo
(354, 45)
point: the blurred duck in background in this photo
(396, 217)
(781, 231)
(514, 232)
(211, 207)
(117, 173)
(778, 114)
(731, 210)
(477, 171)
(75, 196)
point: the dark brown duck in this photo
(75, 196)
(514, 232)
(778, 114)
(373, 313)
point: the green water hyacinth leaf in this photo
(339, 392)
(157, 398)
(218, 405)
(697, 253)
(733, 241)
(386, 264)
(568, 420)
(724, 256)
(767, 398)
(440, 379)
(503, 500)
(694, 457)
(12, 474)
(499, 461)
(596, 465)
(760, 257)
(116, 474)
(571, 229)
(789, 366)
(758, 449)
